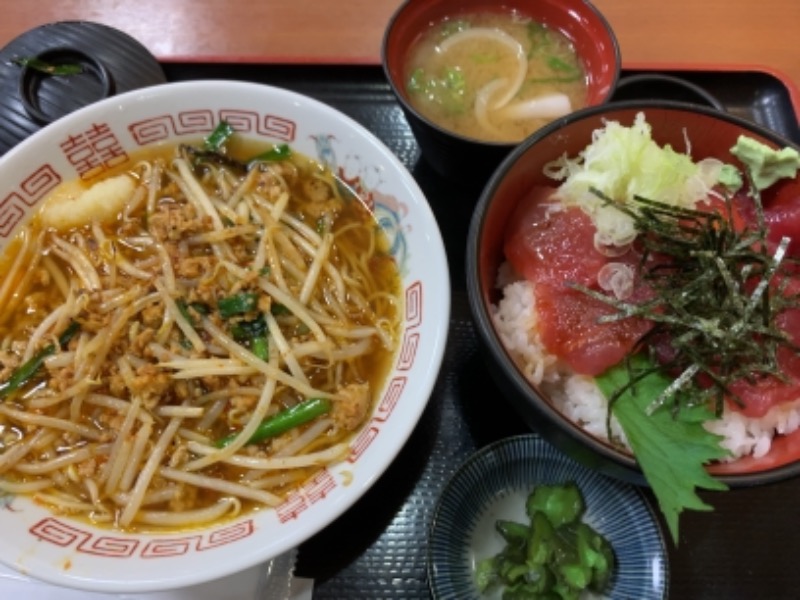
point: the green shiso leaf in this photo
(671, 451)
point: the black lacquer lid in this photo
(112, 62)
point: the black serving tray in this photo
(748, 547)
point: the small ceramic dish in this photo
(494, 483)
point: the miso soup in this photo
(494, 76)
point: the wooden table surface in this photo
(684, 33)
(760, 35)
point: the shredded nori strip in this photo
(717, 292)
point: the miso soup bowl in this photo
(461, 158)
(106, 135)
(711, 134)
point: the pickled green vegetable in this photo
(554, 556)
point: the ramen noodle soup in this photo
(191, 338)
(494, 76)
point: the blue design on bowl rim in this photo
(388, 213)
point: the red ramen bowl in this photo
(468, 156)
(708, 133)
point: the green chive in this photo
(239, 304)
(298, 415)
(277, 153)
(25, 372)
(217, 139)
(48, 68)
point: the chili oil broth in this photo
(357, 235)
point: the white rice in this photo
(578, 397)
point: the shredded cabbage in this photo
(622, 162)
